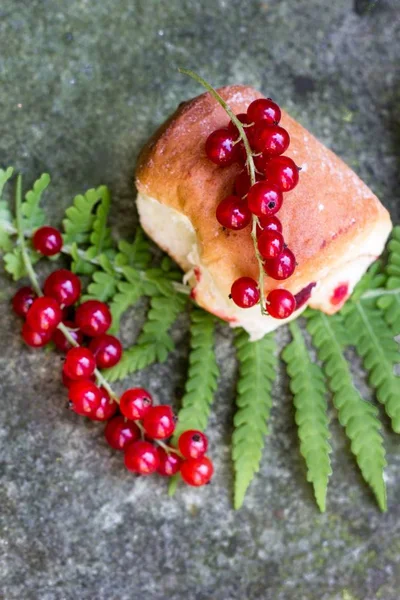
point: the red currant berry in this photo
(261, 162)
(142, 458)
(47, 241)
(264, 199)
(170, 463)
(67, 381)
(106, 409)
(61, 341)
(244, 119)
(85, 397)
(282, 172)
(135, 403)
(93, 317)
(107, 350)
(197, 471)
(44, 314)
(64, 286)
(281, 267)
(159, 422)
(34, 338)
(220, 147)
(119, 432)
(270, 244)
(193, 444)
(23, 300)
(245, 292)
(270, 139)
(264, 109)
(79, 363)
(268, 224)
(233, 213)
(281, 304)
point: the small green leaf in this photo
(79, 264)
(135, 255)
(102, 287)
(80, 217)
(33, 216)
(100, 237)
(127, 296)
(308, 387)
(4, 177)
(14, 263)
(6, 227)
(257, 371)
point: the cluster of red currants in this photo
(134, 424)
(275, 174)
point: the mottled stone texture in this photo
(82, 85)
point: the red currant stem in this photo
(21, 239)
(163, 445)
(250, 167)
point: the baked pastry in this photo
(332, 221)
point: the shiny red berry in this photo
(135, 403)
(264, 199)
(281, 267)
(233, 213)
(61, 341)
(93, 317)
(79, 363)
(268, 223)
(193, 444)
(170, 463)
(44, 314)
(282, 172)
(106, 409)
(85, 397)
(280, 304)
(245, 292)
(243, 183)
(47, 241)
(261, 161)
(197, 471)
(270, 244)
(270, 139)
(67, 381)
(22, 301)
(264, 109)
(64, 286)
(119, 432)
(107, 350)
(141, 458)
(159, 422)
(220, 147)
(33, 338)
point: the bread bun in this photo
(332, 221)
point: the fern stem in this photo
(251, 169)
(379, 292)
(21, 239)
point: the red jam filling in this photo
(197, 274)
(304, 294)
(340, 294)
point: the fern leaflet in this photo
(100, 238)
(374, 342)
(154, 342)
(307, 384)
(390, 304)
(80, 217)
(33, 216)
(358, 417)
(257, 369)
(135, 255)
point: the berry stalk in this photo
(251, 169)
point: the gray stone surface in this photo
(82, 85)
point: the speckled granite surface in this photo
(82, 85)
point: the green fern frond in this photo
(79, 263)
(307, 384)
(102, 287)
(202, 376)
(33, 216)
(390, 304)
(14, 263)
(358, 417)
(374, 342)
(257, 370)
(6, 219)
(128, 294)
(80, 217)
(154, 342)
(135, 255)
(100, 237)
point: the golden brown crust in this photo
(330, 208)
